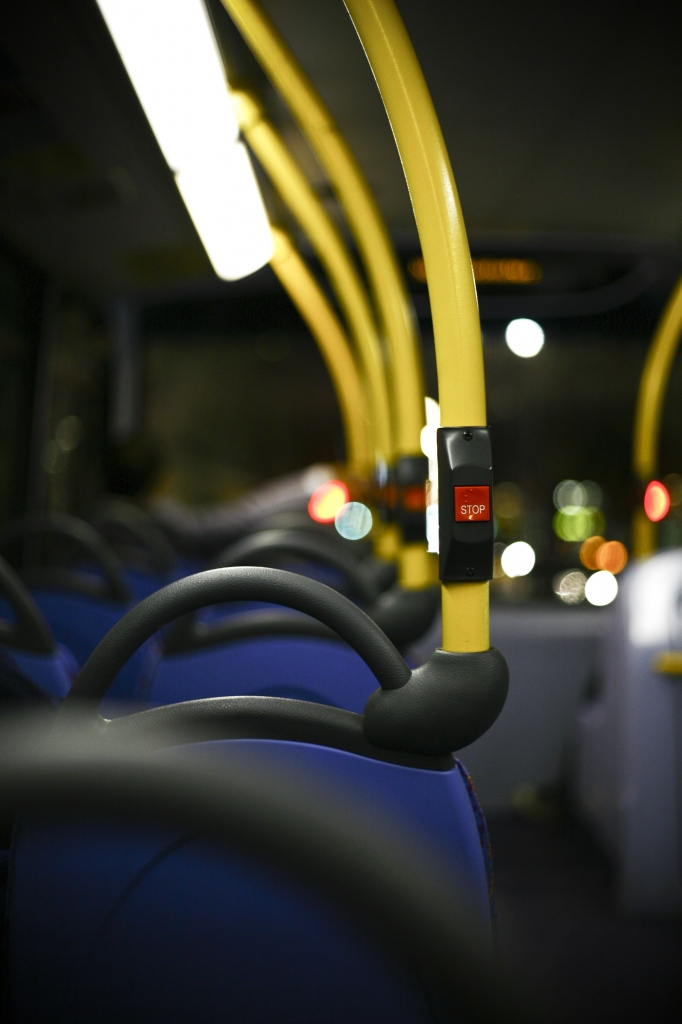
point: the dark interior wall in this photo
(72, 458)
(21, 296)
(235, 392)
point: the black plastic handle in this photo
(86, 537)
(442, 706)
(217, 586)
(29, 631)
(257, 547)
(190, 634)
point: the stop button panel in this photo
(465, 516)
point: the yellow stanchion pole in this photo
(315, 309)
(459, 351)
(649, 411)
(360, 208)
(293, 187)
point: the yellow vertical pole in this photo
(315, 308)
(649, 411)
(293, 187)
(457, 331)
(363, 215)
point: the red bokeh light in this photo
(656, 501)
(326, 500)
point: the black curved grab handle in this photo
(29, 631)
(216, 586)
(404, 615)
(449, 702)
(116, 519)
(303, 544)
(61, 524)
(269, 718)
(190, 634)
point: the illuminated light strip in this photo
(171, 56)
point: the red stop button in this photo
(472, 504)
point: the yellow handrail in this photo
(362, 213)
(314, 307)
(457, 331)
(292, 185)
(649, 411)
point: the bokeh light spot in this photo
(656, 501)
(611, 557)
(569, 586)
(570, 493)
(588, 551)
(524, 337)
(575, 524)
(601, 588)
(517, 559)
(353, 520)
(326, 500)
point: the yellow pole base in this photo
(387, 542)
(417, 569)
(466, 617)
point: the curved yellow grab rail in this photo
(314, 307)
(292, 185)
(457, 330)
(649, 411)
(365, 220)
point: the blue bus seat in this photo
(27, 644)
(53, 673)
(305, 668)
(79, 621)
(109, 924)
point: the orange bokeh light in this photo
(326, 500)
(612, 556)
(588, 552)
(656, 501)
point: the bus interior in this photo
(340, 511)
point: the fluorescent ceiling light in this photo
(227, 209)
(170, 53)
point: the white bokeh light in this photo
(524, 337)
(570, 586)
(353, 520)
(601, 588)
(517, 559)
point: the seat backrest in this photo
(52, 673)
(107, 924)
(326, 671)
(79, 621)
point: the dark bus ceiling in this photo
(563, 121)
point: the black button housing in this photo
(466, 548)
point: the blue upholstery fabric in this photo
(143, 584)
(52, 673)
(108, 924)
(306, 668)
(79, 622)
